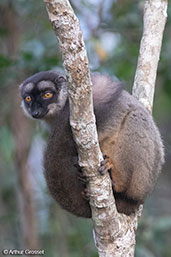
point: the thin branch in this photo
(155, 15)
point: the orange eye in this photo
(28, 98)
(48, 95)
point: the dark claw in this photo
(102, 169)
(83, 178)
(102, 163)
(104, 166)
(85, 194)
(105, 157)
(77, 166)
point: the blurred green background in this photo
(29, 218)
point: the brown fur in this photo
(127, 134)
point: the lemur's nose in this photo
(36, 114)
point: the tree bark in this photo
(114, 233)
(155, 15)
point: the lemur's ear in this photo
(60, 80)
(20, 87)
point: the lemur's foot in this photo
(85, 194)
(81, 176)
(106, 165)
(84, 181)
(77, 166)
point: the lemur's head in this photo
(43, 94)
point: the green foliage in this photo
(5, 62)
(7, 144)
(153, 237)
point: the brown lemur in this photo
(128, 137)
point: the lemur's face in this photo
(43, 97)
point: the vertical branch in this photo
(155, 14)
